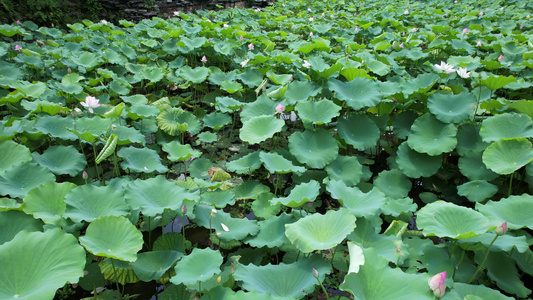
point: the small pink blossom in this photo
(465, 31)
(501, 229)
(402, 45)
(177, 13)
(332, 16)
(90, 103)
(18, 47)
(204, 59)
(355, 14)
(241, 38)
(104, 22)
(478, 44)
(311, 34)
(312, 19)
(437, 284)
(414, 29)
(323, 14)
(528, 16)
(18, 22)
(500, 58)
(69, 70)
(356, 29)
(52, 24)
(406, 12)
(84, 175)
(522, 26)
(280, 108)
(480, 13)
(251, 46)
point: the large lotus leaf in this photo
(502, 269)
(402, 123)
(421, 84)
(176, 120)
(359, 131)
(284, 280)
(153, 264)
(242, 295)
(449, 108)
(359, 93)
(271, 232)
(56, 126)
(177, 152)
(314, 148)
(320, 232)
(366, 236)
(468, 139)
(196, 75)
(246, 164)
(503, 243)
(142, 111)
(32, 90)
(445, 219)
(235, 229)
(90, 129)
(262, 208)
(217, 120)
(135, 99)
(359, 203)
(345, 168)
(199, 266)
(276, 163)
(7, 204)
(19, 180)
(393, 183)
(128, 135)
(471, 165)
(87, 60)
(89, 202)
(250, 189)
(227, 104)
(301, 91)
(395, 206)
(152, 196)
(320, 112)
(494, 83)
(376, 280)
(505, 126)
(259, 129)
(12, 155)
(508, 155)
(219, 199)
(47, 201)
(141, 160)
(14, 221)
(61, 160)
(117, 271)
(461, 291)
(415, 164)
(431, 136)
(477, 190)
(300, 194)
(263, 106)
(207, 137)
(36, 264)
(515, 210)
(113, 237)
(199, 168)
(153, 74)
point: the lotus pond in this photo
(309, 150)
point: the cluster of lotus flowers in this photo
(449, 69)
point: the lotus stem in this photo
(115, 273)
(149, 233)
(510, 185)
(485, 259)
(458, 264)
(477, 104)
(96, 165)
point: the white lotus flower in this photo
(306, 64)
(90, 102)
(244, 62)
(463, 73)
(445, 68)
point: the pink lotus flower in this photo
(406, 12)
(311, 34)
(500, 58)
(501, 229)
(84, 175)
(437, 284)
(241, 38)
(204, 59)
(323, 14)
(463, 73)
(18, 47)
(465, 31)
(478, 44)
(177, 13)
(522, 26)
(251, 46)
(90, 102)
(402, 45)
(480, 13)
(280, 108)
(356, 29)
(414, 29)
(18, 22)
(528, 16)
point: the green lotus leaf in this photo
(276, 163)
(199, 266)
(207, 137)
(115, 111)
(505, 242)
(246, 164)
(358, 93)
(421, 84)
(414, 164)
(176, 120)
(219, 199)
(217, 77)
(32, 90)
(359, 203)
(402, 123)
(199, 168)
(471, 165)
(367, 237)
(56, 126)
(196, 75)
(153, 74)
(227, 104)
(47, 201)
(314, 148)
(141, 160)
(359, 131)
(263, 106)
(152, 196)
(7, 204)
(87, 60)
(89, 202)
(61, 160)
(135, 99)
(217, 120)
(238, 229)
(128, 135)
(12, 155)
(462, 291)
(515, 210)
(320, 232)
(259, 129)
(444, 219)
(283, 280)
(171, 241)
(397, 206)
(113, 237)
(22, 178)
(393, 183)
(376, 280)
(300, 194)
(90, 129)
(262, 207)
(117, 271)
(450, 108)
(497, 82)
(153, 264)
(242, 295)
(320, 112)
(301, 91)
(231, 86)
(477, 190)
(502, 269)
(508, 155)
(142, 111)
(271, 232)
(345, 168)
(93, 277)
(431, 136)
(15, 221)
(506, 126)
(36, 264)
(468, 139)
(178, 152)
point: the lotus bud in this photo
(480, 13)
(309, 9)
(465, 31)
(18, 21)
(528, 16)
(213, 213)
(315, 273)
(312, 19)
(311, 34)
(501, 229)
(18, 47)
(184, 209)
(478, 44)
(204, 59)
(323, 15)
(84, 175)
(280, 108)
(437, 284)
(406, 12)
(251, 46)
(241, 38)
(402, 45)
(522, 26)
(500, 58)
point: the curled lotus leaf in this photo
(176, 120)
